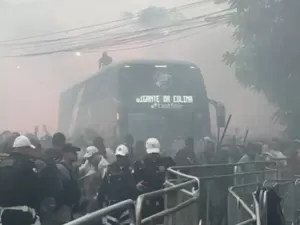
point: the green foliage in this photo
(267, 54)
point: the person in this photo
(70, 194)
(294, 157)
(91, 176)
(129, 142)
(150, 175)
(9, 142)
(58, 143)
(252, 152)
(4, 136)
(94, 163)
(58, 140)
(118, 185)
(48, 174)
(46, 139)
(186, 156)
(208, 154)
(105, 60)
(21, 188)
(140, 150)
(107, 153)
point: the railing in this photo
(244, 211)
(179, 198)
(190, 199)
(215, 181)
(98, 215)
(240, 210)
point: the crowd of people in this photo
(57, 182)
(49, 180)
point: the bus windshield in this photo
(165, 101)
(166, 87)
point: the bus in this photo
(165, 99)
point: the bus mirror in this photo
(221, 115)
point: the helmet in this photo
(152, 146)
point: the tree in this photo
(156, 16)
(153, 16)
(267, 54)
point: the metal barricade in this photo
(284, 171)
(91, 218)
(180, 201)
(297, 201)
(215, 181)
(240, 208)
(286, 190)
(244, 211)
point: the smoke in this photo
(30, 87)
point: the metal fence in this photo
(97, 216)
(210, 194)
(244, 211)
(215, 180)
(240, 210)
(180, 196)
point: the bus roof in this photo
(132, 62)
(152, 61)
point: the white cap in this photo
(22, 141)
(90, 151)
(152, 146)
(122, 150)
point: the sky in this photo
(30, 87)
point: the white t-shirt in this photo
(88, 169)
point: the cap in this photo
(22, 141)
(122, 150)
(152, 146)
(90, 151)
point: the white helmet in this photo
(152, 146)
(122, 150)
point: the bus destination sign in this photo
(165, 101)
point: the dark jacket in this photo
(118, 185)
(151, 170)
(20, 182)
(70, 193)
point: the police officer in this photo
(21, 188)
(118, 185)
(150, 175)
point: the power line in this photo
(98, 24)
(185, 22)
(66, 38)
(97, 45)
(93, 46)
